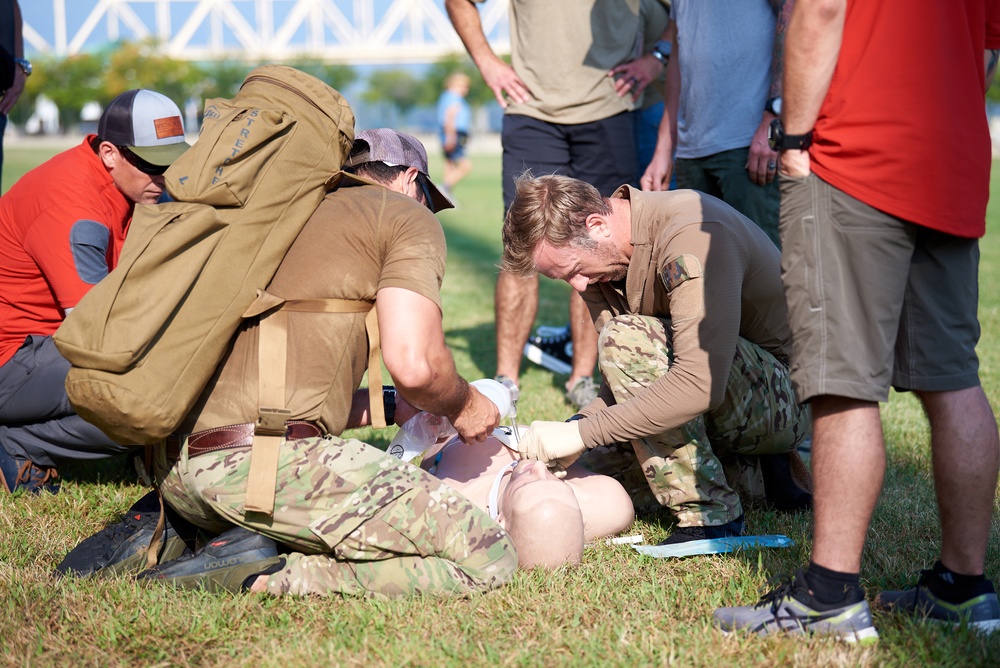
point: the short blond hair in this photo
(456, 78)
(549, 208)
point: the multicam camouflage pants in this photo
(361, 522)
(699, 470)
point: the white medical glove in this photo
(558, 444)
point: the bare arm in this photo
(449, 128)
(422, 367)
(11, 95)
(761, 160)
(815, 31)
(661, 167)
(498, 75)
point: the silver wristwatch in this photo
(25, 65)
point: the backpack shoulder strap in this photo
(272, 351)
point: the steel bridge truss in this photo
(336, 31)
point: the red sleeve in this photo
(993, 24)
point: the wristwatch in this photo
(779, 141)
(25, 65)
(773, 105)
(662, 50)
(389, 403)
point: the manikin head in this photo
(542, 516)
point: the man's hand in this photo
(633, 76)
(501, 78)
(762, 162)
(658, 173)
(558, 444)
(795, 163)
(478, 418)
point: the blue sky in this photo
(39, 16)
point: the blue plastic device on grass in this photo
(713, 546)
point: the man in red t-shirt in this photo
(62, 227)
(880, 223)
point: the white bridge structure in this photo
(335, 31)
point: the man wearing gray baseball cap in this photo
(399, 162)
(333, 530)
(62, 226)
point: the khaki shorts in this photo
(874, 301)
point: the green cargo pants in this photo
(359, 522)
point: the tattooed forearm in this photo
(782, 10)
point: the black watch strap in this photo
(389, 403)
(779, 141)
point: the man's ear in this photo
(598, 226)
(410, 176)
(109, 155)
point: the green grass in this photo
(617, 608)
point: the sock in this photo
(951, 586)
(833, 589)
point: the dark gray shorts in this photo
(602, 153)
(874, 301)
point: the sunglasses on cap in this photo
(140, 164)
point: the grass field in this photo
(617, 608)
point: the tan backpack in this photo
(144, 342)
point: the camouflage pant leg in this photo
(759, 416)
(679, 464)
(362, 522)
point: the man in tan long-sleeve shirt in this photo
(686, 293)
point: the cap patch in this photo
(168, 127)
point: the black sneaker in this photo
(687, 534)
(227, 563)
(17, 474)
(980, 610)
(552, 348)
(122, 547)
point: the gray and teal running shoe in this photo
(790, 608)
(980, 611)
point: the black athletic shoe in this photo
(223, 564)
(17, 473)
(687, 534)
(122, 547)
(552, 348)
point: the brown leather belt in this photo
(234, 436)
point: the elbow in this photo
(415, 374)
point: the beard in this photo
(617, 265)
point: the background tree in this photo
(399, 90)
(479, 92)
